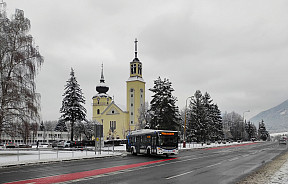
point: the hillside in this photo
(275, 119)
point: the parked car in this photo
(67, 144)
(57, 144)
(282, 141)
(76, 144)
(25, 146)
(11, 145)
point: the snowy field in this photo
(12, 156)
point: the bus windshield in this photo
(167, 140)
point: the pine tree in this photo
(72, 109)
(164, 112)
(196, 118)
(204, 119)
(250, 128)
(262, 132)
(42, 127)
(217, 131)
(61, 126)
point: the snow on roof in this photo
(136, 78)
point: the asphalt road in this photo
(221, 165)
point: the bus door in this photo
(137, 145)
(153, 146)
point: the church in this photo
(117, 123)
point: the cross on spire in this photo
(102, 75)
(135, 47)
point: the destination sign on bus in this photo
(167, 133)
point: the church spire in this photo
(102, 87)
(136, 52)
(135, 47)
(102, 80)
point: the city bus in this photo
(155, 142)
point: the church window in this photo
(131, 104)
(134, 69)
(112, 125)
(131, 122)
(131, 90)
(131, 95)
(98, 111)
(140, 69)
(112, 111)
(132, 113)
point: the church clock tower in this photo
(135, 91)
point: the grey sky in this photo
(235, 50)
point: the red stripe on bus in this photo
(84, 174)
(230, 146)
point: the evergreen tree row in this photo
(204, 119)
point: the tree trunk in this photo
(72, 130)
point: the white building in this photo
(44, 137)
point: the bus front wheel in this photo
(148, 151)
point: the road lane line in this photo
(233, 159)
(214, 164)
(231, 146)
(78, 175)
(171, 177)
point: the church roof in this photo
(110, 105)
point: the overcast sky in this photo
(237, 51)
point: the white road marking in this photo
(233, 159)
(171, 177)
(214, 164)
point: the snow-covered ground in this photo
(15, 156)
(281, 176)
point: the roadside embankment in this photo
(275, 172)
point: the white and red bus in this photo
(156, 142)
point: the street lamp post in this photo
(243, 115)
(184, 138)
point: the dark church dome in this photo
(102, 87)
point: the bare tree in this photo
(34, 129)
(144, 116)
(23, 128)
(19, 61)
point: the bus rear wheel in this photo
(133, 152)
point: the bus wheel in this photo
(132, 152)
(148, 151)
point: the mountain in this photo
(275, 119)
